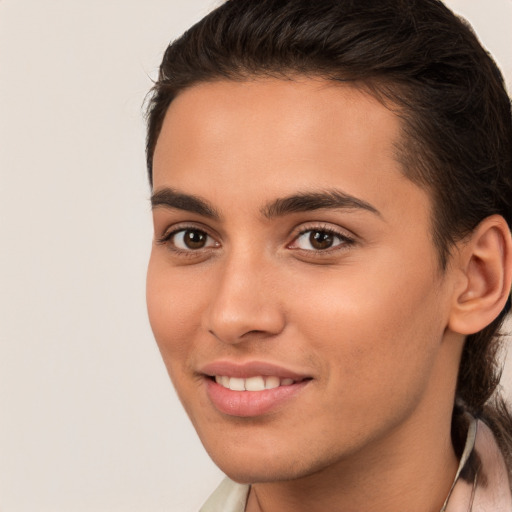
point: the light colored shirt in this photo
(489, 490)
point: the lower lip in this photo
(251, 403)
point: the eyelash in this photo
(167, 239)
(344, 241)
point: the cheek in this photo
(377, 329)
(173, 310)
(378, 350)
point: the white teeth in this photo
(257, 383)
(254, 384)
(236, 384)
(272, 382)
(222, 380)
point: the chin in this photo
(253, 475)
(268, 465)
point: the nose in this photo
(245, 304)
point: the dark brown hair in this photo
(419, 59)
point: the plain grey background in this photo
(88, 418)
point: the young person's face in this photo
(293, 251)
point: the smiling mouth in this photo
(257, 383)
(252, 396)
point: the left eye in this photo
(318, 240)
(191, 239)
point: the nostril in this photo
(244, 336)
(254, 332)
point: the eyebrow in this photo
(301, 202)
(170, 198)
(308, 201)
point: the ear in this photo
(485, 259)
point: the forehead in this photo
(278, 110)
(274, 136)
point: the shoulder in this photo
(228, 497)
(482, 483)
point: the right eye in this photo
(189, 239)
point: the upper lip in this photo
(250, 369)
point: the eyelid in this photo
(175, 227)
(346, 237)
(173, 230)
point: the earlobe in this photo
(486, 262)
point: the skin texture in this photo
(367, 320)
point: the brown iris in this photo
(321, 240)
(194, 239)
